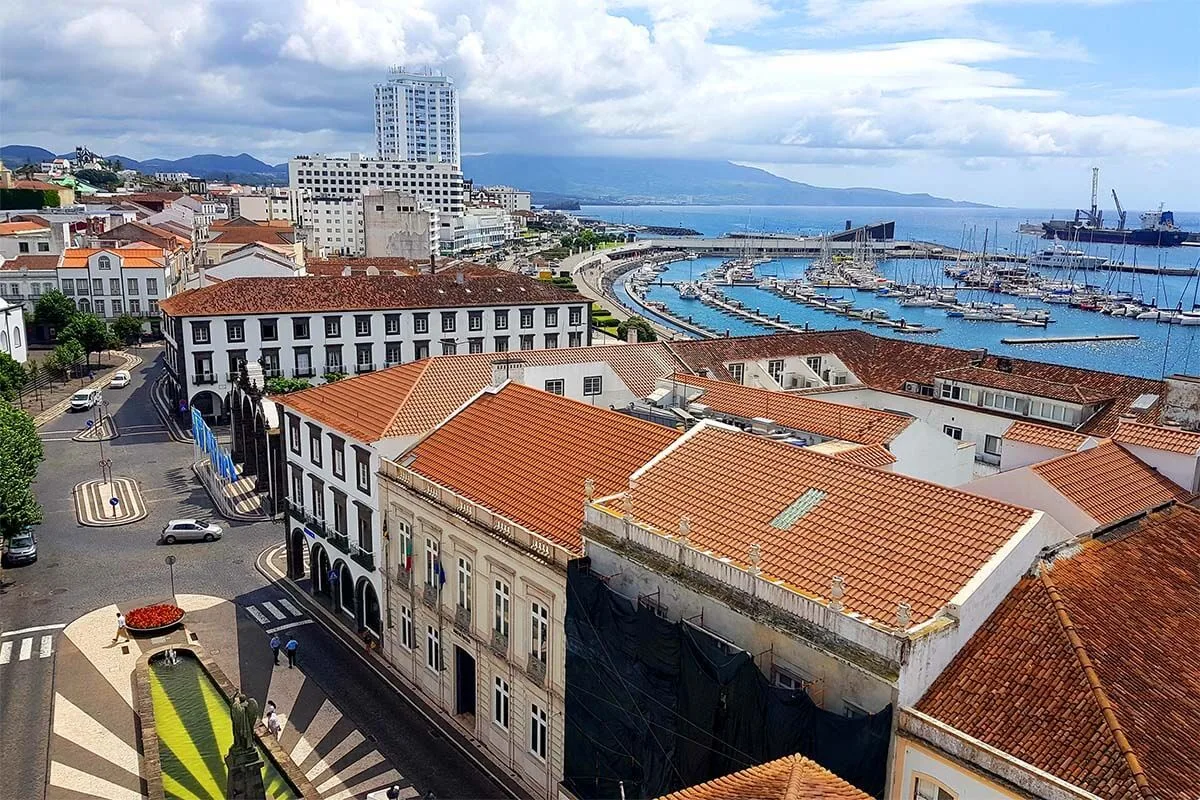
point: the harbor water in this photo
(1160, 349)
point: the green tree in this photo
(65, 356)
(100, 178)
(645, 331)
(12, 376)
(54, 309)
(127, 328)
(333, 377)
(92, 333)
(287, 385)
(20, 454)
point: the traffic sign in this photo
(114, 502)
(91, 422)
(170, 560)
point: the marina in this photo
(1112, 337)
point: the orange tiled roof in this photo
(413, 398)
(892, 538)
(1133, 606)
(823, 418)
(1156, 437)
(788, 778)
(1107, 482)
(362, 292)
(12, 228)
(1044, 435)
(130, 258)
(887, 364)
(42, 185)
(525, 454)
(28, 261)
(267, 234)
(869, 455)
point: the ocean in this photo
(1161, 349)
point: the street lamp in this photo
(171, 563)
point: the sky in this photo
(1009, 102)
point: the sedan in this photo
(20, 549)
(189, 530)
(119, 380)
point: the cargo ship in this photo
(1158, 227)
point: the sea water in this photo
(1161, 349)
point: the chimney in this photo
(836, 592)
(508, 369)
(459, 276)
(631, 335)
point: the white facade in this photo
(13, 339)
(248, 261)
(105, 286)
(416, 118)
(508, 198)
(41, 241)
(395, 225)
(479, 228)
(333, 226)
(21, 286)
(172, 177)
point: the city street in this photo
(82, 569)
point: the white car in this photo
(120, 379)
(189, 530)
(85, 399)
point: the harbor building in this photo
(416, 117)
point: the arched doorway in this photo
(296, 550)
(367, 607)
(210, 405)
(319, 564)
(345, 588)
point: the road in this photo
(80, 569)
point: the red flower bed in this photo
(156, 616)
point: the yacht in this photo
(1060, 257)
(689, 291)
(917, 302)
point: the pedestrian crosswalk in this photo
(31, 644)
(278, 615)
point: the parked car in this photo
(85, 399)
(20, 549)
(189, 530)
(119, 380)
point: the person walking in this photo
(273, 725)
(275, 648)
(121, 629)
(290, 649)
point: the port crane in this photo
(1120, 212)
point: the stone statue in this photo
(243, 761)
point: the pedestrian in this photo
(333, 582)
(290, 648)
(275, 648)
(273, 720)
(121, 629)
(394, 792)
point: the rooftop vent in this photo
(1144, 402)
(1004, 364)
(806, 502)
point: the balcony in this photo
(341, 541)
(273, 372)
(205, 377)
(303, 372)
(364, 559)
(360, 368)
(536, 669)
(499, 643)
(462, 620)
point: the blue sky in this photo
(1001, 101)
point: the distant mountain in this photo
(244, 167)
(18, 155)
(627, 181)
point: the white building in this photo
(306, 328)
(395, 225)
(172, 177)
(13, 339)
(28, 237)
(273, 204)
(253, 260)
(23, 279)
(478, 228)
(507, 197)
(416, 117)
(111, 282)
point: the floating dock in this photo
(1100, 337)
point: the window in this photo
(299, 328)
(527, 341)
(117, 308)
(593, 385)
(337, 460)
(421, 323)
(100, 308)
(814, 363)
(421, 349)
(364, 529)
(449, 347)
(314, 445)
(104, 262)
(501, 344)
(68, 287)
(339, 512)
(539, 630)
(853, 710)
(236, 359)
(928, 790)
(501, 321)
(200, 333)
(235, 330)
(551, 341)
(362, 325)
(464, 582)
(152, 286)
(433, 649)
(575, 339)
(775, 370)
(406, 628)
(294, 434)
(318, 499)
(82, 284)
(449, 321)
(22, 247)
(362, 357)
(500, 703)
(97, 286)
(737, 371)
(475, 320)
(297, 487)
(526, 317)
(475, 345)
(952, 432)
(575, 316)
(132, 285)
(991, 445)
(431, 562)
(538, 725)
(268, 330)
(333, 327)
(551, 317)
(114, 285)
(391, 324)
(362, 463)
(555, 386)
(951, 391)
(333, 358)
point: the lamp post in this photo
(170, 560)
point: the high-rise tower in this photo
(416, 117)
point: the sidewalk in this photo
(112, 359)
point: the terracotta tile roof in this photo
(363, 292)
(413, 398)
(333, 267)
(1156, 437)
(1044, 435)
(25, 184)
(833, 420)
(886, 364)
(130, 258)
(12, 228)
(1107, 482)
(869, 455)
(525, 454)
(1130, 606)
(1024, 384)
(257, 233)
(892, 538)
(788, 778)
(27, 261)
